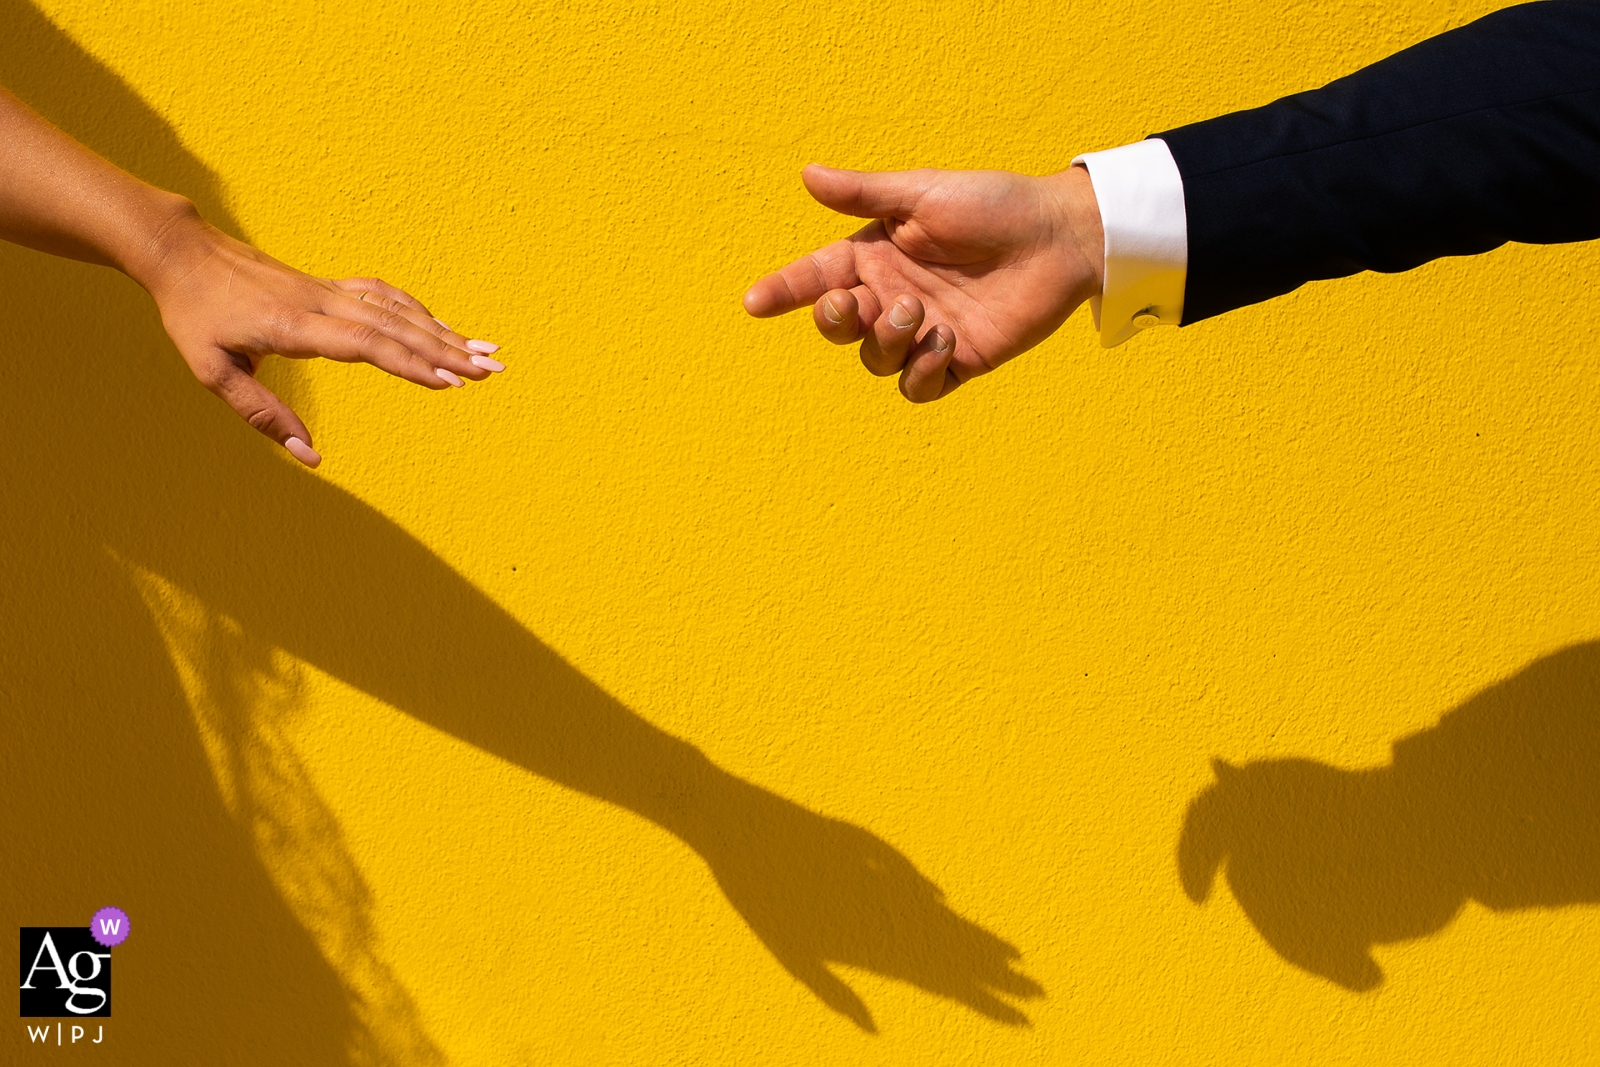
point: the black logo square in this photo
(66, 974)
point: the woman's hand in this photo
(227, 306)
(961, 271)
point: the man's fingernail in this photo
(900, 318)
(488, 364)
(302, 452)
(940, 343)
(443, 323)
(485, 347)
(830, 312)
(447, 376)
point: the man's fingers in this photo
(927, 375)
(843, 315)
(837, 316)
(867, 194)
(258, 406)
(310, 335)
(804, 281)
(884, 349)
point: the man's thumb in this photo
(867, 194)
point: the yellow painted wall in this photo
(684, 697)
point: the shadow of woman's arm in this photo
(311, 569)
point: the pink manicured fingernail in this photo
(488, 364)
(302, 452)
(484, 347)
(443, 323)
(447, 376)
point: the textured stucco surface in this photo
(319, 733)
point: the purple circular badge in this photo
(109, 927)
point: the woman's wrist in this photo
(163, 239)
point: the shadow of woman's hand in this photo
(817, 891)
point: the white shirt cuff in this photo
(1147, 238)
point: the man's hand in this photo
(959, 271)
(227, 306)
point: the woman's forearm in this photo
(59, 197)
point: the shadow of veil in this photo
(1498, 803)
(159, 559)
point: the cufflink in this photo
(1146, 319)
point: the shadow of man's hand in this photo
(818, 891)
(1498, 803)
(1326, 863)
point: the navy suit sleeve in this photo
(1485, 134)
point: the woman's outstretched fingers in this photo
(379, 287)
(884, 349)
(310, 335)
(927, 374)
(261, 408)
(416, 331)
(837, 315)
(476, 352)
